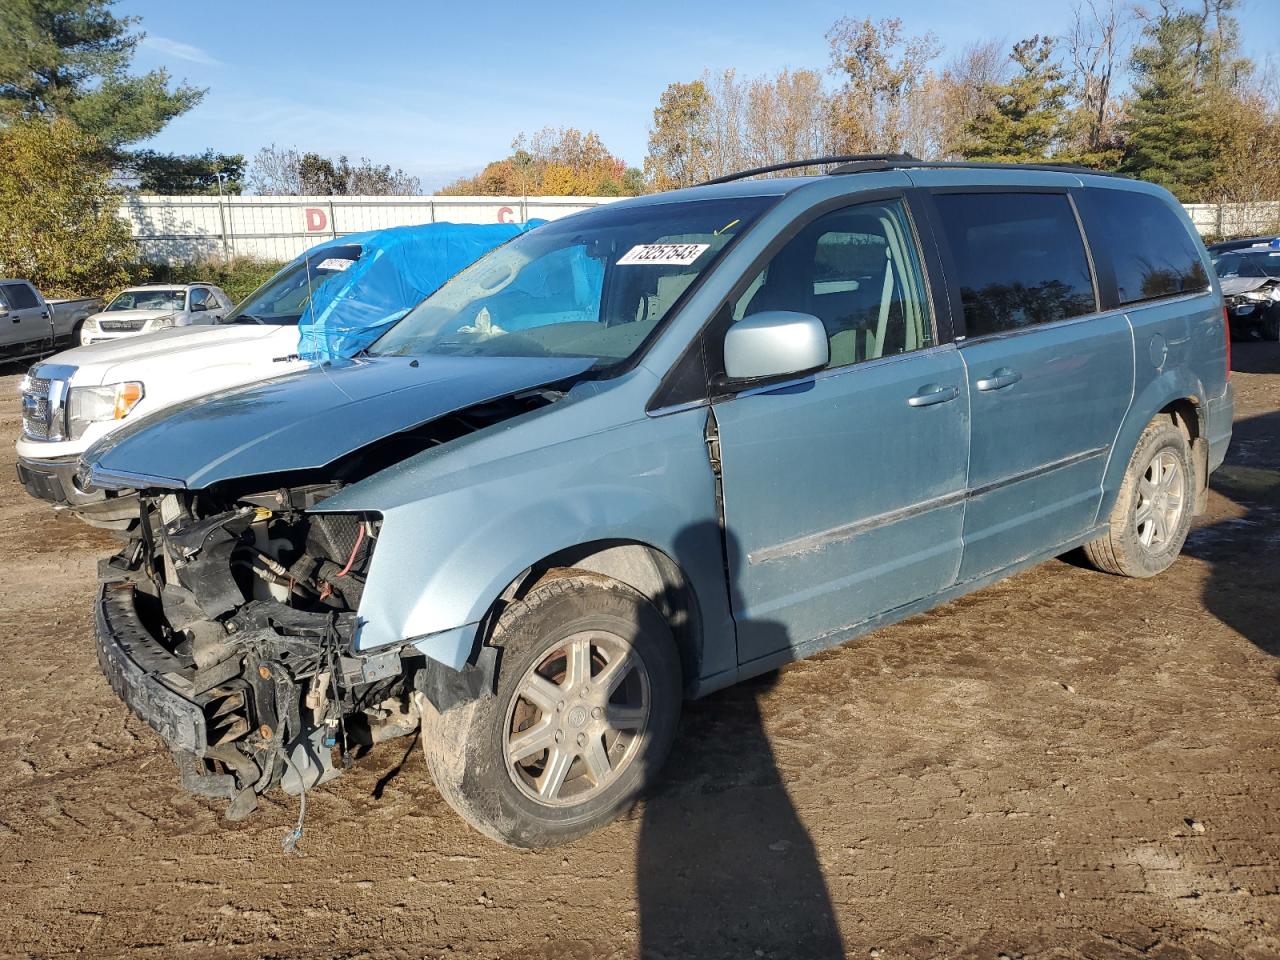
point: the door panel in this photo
(25, 320)
(1040, 441)
(842, 499)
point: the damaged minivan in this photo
(645, 451)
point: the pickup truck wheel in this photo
(588, 696)
(1270, 325)
(1152, 513)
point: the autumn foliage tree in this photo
(59, 222)
(553, 162)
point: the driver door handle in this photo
(932, 393)
(999, 379)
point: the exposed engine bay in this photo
(246, 609)
(228, 622)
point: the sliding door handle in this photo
(932, 393)
(999, 379)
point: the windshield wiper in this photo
(242, 317)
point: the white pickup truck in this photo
(30, 322)
(78, 396)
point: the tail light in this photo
(1226, 334)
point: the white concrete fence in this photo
(178, 229)
(279, 228)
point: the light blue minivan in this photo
(643, 452)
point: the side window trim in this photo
(947, 257)
(665, 398)
(1086, 199)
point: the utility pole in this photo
(222, 213)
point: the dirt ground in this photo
(1065, 764)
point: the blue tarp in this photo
(397, 268)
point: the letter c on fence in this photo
(316, 220)
(505, 214)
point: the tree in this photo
(677, 152)
(173, 173)
(964, 91)
(554, 161)
(1028, 120)
(286, 171)
(720, 124)
(885, 90)
(1094, 48)
(1169, 130)
(70, 58)
(59, 222)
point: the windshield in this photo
(149, 300)
(1261, 264)
(591, 285)
(283, 299)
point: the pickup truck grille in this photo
(116, 326)
(43, 400)
(35, 408)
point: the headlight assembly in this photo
(159, 323)
(88, 405)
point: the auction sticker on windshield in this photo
(663, 254)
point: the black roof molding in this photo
(873, 162)
(885, 160)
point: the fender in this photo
(1175, 383)
(436, 572)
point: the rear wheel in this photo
(587, 700)
(1152, 513)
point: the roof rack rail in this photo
(885, 161)
(860, 166)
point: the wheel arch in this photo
(1179, 395)
(649, 571)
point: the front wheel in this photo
(1270, 325)
(587, 700)
(1152, 514)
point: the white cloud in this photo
(179, 50)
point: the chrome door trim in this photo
(815, 541)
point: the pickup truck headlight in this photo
(159, 323)
(90, 323)
(88, 405)
(1264, 294)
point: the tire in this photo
(1269, 326)
(545, 704)
(1137, 547)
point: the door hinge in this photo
(712, 437)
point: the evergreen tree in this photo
(1169, 133)
(1029, 117)
(70, 58)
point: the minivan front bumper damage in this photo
(231, 633)
(238, 725)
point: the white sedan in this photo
(153, 307)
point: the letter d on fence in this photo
(316, 220)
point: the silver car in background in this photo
(152, 307)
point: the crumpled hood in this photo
(1234, 286)
(308, 419)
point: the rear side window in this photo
(1019, 259)
(1146, 244)
(20, 296)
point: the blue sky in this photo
(440, 89)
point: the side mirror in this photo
(199, 306)
(775, 343)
